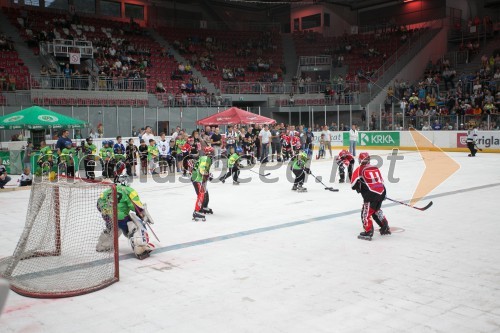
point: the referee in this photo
(471, 140)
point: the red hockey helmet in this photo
(343, 153)
(364, 158)
(209, 150)
(190, 140)
(186, 148)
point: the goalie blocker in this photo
(130, 212)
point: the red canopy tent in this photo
(234, 115)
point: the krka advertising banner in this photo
(374, 139)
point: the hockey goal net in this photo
(56, 255)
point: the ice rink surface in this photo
(272, 260)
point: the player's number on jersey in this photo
(373, 176)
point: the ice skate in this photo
(341, 181)
(236, 182)
(294, 187)
(366, 235)
(300, 188)
(197, 216)
(207, 210)
(143, 255)
(385, 229)
(222, 179)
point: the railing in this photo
(457, 58)
(189, 101)
(22, 82)
(63, 47)
(260, 88)
(392, 117)
(315, 61)
(340, 99)
(87, 82)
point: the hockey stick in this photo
(149, 220)
(148, 224)
(419, 208)
(480, 149)
(326, 187)
(260, 174)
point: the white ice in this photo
(438, 272)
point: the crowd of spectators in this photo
(466, 97)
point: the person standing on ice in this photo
(200, 176)
(132, 216)
(368, 181)
(353, 139)
(344, 159)
(471, 140)
(300, 169)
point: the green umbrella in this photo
(36, 117)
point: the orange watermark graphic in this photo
(438, 166)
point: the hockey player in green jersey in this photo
(132, 216)
(233, 164)
(46, 159)
(90, 156)
(199, 177)
(300, 169)
(67, 159)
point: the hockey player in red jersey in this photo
(296, 144)
(286, 147)
(344, 158)
(368, 181)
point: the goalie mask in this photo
(122, 180)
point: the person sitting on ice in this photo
(132, 219)
(26, 178)
(4, 179)
(344, 159)
(300, 169)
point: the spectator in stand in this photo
(160, 88)
(265, 139)
(118, 146)
(275, 143)
(12, 82)
(148, 134)
(216, 143)
(63, 139)
(437, 126)
(426, 126)
(327, 136)
(27, 154)
(67, 73)
(231, 136)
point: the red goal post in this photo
(56, 254)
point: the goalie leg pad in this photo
(105, 241)
(139, 237)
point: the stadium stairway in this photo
(290, 58)
(475, 63)
(379, 90)
(25, 53)
(211, 88)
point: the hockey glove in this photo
(307, 170)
